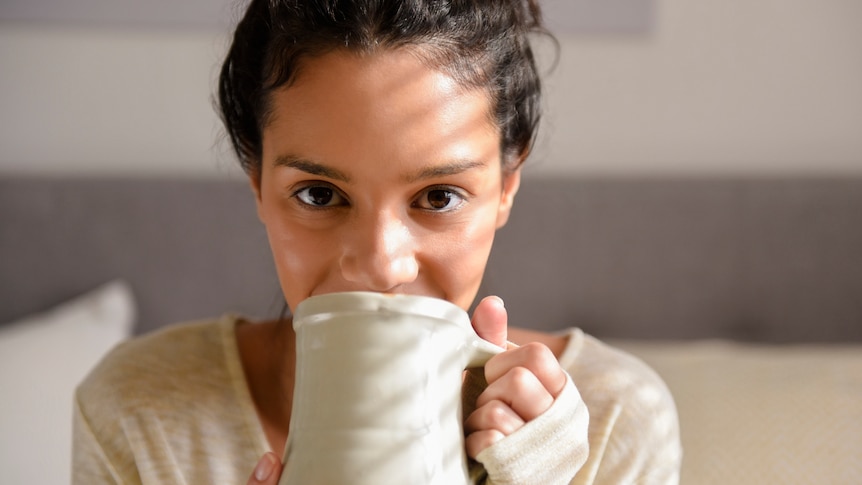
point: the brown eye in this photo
(320, 196)
(440, 199)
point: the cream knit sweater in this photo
(174, 408)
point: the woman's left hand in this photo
(267, 472)
(522, 382)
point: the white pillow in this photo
(43, 357)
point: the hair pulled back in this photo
(480, 43)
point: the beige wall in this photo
(735, 87)
(755, 86)
(105, 101)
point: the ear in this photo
(254, 179)
(511, 183)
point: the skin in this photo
(382, 174)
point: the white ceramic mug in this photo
(377, 398)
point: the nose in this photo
(379, 253)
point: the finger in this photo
(478, 441)
(495, 415)
(490, 320)
(521, 390)
(537, 358)
(267, 471)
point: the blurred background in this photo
(643, 87)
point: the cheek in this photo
(300, 259)
(462, 261)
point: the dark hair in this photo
(480, 43)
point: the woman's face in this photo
(381, 174)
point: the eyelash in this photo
(336, 194)
(301, 193)
(451, 191)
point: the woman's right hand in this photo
(267, 471)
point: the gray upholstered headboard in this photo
(189, 248)
(757, 260)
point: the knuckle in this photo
(497, 415)
(522, 379)
(539, 354)
(544, 365)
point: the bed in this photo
(744, 294)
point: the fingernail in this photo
(264, 467)
(498, 300)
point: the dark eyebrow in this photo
(452, 168)
(310, 167)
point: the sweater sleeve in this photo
(548, 450)
(90, 464)
(634, 429)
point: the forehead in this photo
(389, 99)
(404, 75)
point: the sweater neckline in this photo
(247, 410)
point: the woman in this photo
(383, 142)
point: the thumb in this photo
(490, 320)
(267, 471)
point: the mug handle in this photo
(481, 351)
